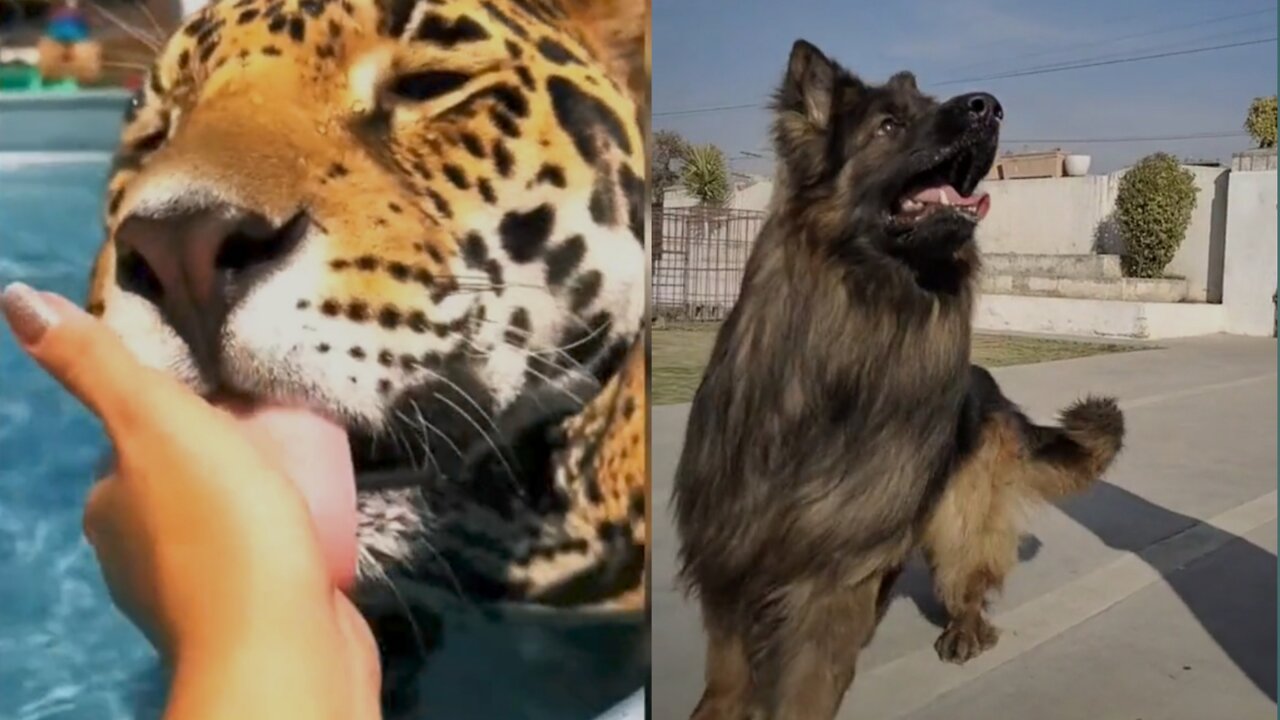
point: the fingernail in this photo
(27, 313)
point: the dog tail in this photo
(1067, 458)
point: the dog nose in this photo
(195, 263)
(983, 106)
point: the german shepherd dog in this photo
(839, 423)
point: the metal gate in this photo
(699, 255)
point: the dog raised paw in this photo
(964, 641)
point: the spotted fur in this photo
(454, 265)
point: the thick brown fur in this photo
(825, 424)
(970, 539)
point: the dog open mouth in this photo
(948, 186)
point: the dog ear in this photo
(904, 80)
(809, 84)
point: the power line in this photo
(1014, 74)
(1101, 63)
(1132, 36)
(1211, 135)
(1231, 35)
(1147, 138)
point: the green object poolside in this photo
(25, 78)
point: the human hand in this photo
(204, 542)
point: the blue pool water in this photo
(66, 654)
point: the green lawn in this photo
(680, 352)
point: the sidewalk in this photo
(1153, 597)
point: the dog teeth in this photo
(945, 200)
(912, 205)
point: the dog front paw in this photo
(963, 641)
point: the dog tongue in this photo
(947, 195)
(313, 451)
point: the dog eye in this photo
(888, 127)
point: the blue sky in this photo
(710, 53)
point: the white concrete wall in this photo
(1075, 216)
(1249, 273)
(752, 197)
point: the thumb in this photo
(81, 353)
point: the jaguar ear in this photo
(619, 33)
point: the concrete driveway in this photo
(1153, 597)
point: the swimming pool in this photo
(64, 651)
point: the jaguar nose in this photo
(196, 263)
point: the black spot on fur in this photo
(503, 160)
(303, 304)
(367, 263)
(356, 352)
(297, 28)
(358, 311)
(563, 260)
(603, 205)
(518, 333)
(395, 14)
(557, 53)
(184, 59)
(552, 174)
(314, 8)
(586, 119)
(398, 270)
(504, 122)
(330, 308)
(526, 77)
(322, 348)
(514, 50)
(207, 52)
(439, 30)
(512, 99)
(473, 144)
(395, 208)
(505, 20)
(456, 176)
(428, 85)
(493, 269)
(271, 51)
(277, 24)
(389, 317)
(486, 191)
(525, 234)
(386, 358)
(633, 190)
(474, 251)
(417, 321)
(246, 16)
(442, 205)
(384, 386)
(584, 291)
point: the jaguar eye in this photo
(429, 85)
(888, 127)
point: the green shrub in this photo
(1153, 209)
(706, 175)
(1261, 121)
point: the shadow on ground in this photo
(1239, 583)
